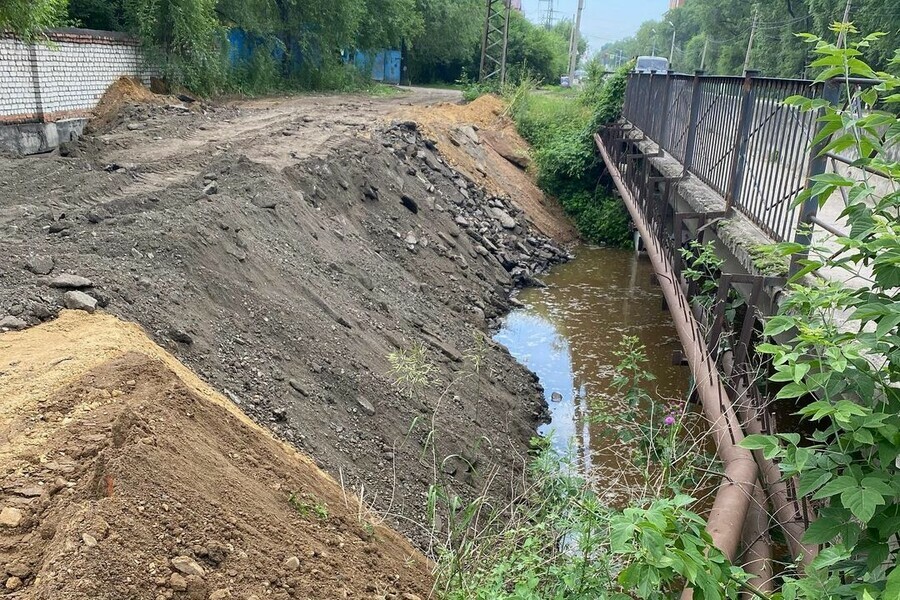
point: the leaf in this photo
(792, 390)
(812, 480)
(791, 438)
(759, 442)
(621, 534)
(863, 436)
(830, 556)
(836, 486)
(800, 371)
(823, 530)
(816, 410)
(809, 267)
(887, 324)
(778, 324)
(877, 484)
(892, 584)
(834, 179)
(862, 502)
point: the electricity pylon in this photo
(494, 40)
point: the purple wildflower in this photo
(669, 421)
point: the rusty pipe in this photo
(787, 512)
(732, 502)
(757, 556)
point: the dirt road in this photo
(283, 249)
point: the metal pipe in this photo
(729, 510)
(851, 163)
(787, 512)
(828, 227)
(757, 555)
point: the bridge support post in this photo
(831, 92)
(739, 156)
(696, 94)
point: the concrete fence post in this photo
(742, 137)
(696, 94)
(39, 113)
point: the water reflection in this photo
(568, 332)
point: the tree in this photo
(389, 24)
(535, 50)
(723, 28)
(97, 14)
(29, 17)
(449, 40)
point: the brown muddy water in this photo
(568, 332)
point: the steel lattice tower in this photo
(549, 13)
(494, 40)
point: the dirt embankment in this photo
(282, 249)
(125, 476)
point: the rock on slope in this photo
(125, 476)
(287, 286)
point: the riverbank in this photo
(293, 253)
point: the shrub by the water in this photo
(561, 131)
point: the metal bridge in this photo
(721, 160)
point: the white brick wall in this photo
(17, 97)
(73, 72)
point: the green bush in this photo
(560, 129)
(29, 17)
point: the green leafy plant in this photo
(29, 17)
(561, 130)
(307, 507)
(556, 539)
(835, 349)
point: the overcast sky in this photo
(603, 20)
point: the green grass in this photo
(558, 90)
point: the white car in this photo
(651, 64)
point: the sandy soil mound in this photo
(481, 140)
(125, 92)
(126, 476)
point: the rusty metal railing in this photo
(736, 135)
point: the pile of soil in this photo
(125, 476)
(124, 93)
(283, 253)
(480, 139)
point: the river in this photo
(568, 332)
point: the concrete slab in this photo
(26, 139)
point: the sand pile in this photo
(125, 92)
(126, 476)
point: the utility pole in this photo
(840, 40)
(672, 49)
(703, 56)
(750, 42)
(576, 37)
(548, 13)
